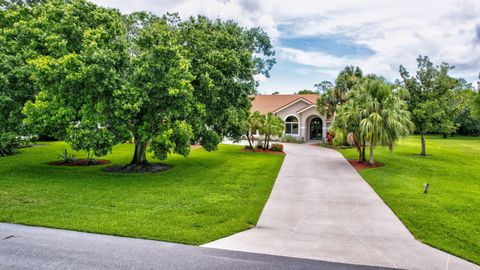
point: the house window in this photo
(291, 125)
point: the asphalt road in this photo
(26, 247)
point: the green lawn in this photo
(448, 217)
(205, 196)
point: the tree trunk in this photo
(371, 161)
(249, 141)
(363, 158)
(253, 142)
(265, 142)
(424, 150)
(358, 146)
(445, 135)
(140, 155)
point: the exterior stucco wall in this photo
(310, 114)
(292, 110)
(304, 119)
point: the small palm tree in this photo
(252, 124)
(347, 121)
(272, 126)
(383, 109)
(375, 113)
(345, 82)
(327, 103)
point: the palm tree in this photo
(375, 113)
(347, 121)
(327, 103)
(252, 124)
(384, 113)
(272, 126)
(345, 81)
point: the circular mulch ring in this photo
(80, 162)
(263, 151)
(363, 165)
(144, 168)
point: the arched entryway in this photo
(316, 129)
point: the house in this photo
(299, 112)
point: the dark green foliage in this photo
(224, 58)
(8, 143)
(323, 86)
(101, 78)
(307, 91)
(345, 81)
(431, 101)
(466, 119)
(18, 44)
(468, 125)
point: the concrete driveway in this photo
(321, 208)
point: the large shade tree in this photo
(26, 34)
(224, 59)
(80, 63)
(430, 101)
(161, 81)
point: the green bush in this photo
(278, 147)
(8, 143)
(66, 157)
(291, 139)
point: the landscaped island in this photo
(203, 197)
(448, 216)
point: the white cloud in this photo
(396, 31)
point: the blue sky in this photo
(315, 39)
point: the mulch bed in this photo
(363, 165)
(263, 151)
(144, 168)
(80, 162)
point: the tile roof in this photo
(271, 103)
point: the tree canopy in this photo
(346, 80)
(375, 113)
(431, 100)
(307, 91)
(163, 81)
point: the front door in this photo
(316, 127)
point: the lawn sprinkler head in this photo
(425, 188)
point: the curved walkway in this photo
(321, 208)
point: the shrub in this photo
(259, 144)
(278, 147)
(291, 139)
(8, 143)
(330, 137)
(66, 157)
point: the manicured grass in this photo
(448, 217)
(205, 196)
